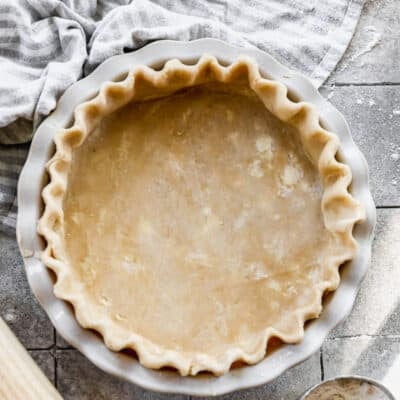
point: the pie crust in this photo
(195, 212)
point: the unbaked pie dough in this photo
(194, 213)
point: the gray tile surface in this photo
(77, 378)
(377, 308)
(375, 126)
(369, 340)
(301, 377)
(17, 305)
(72, 366)
(374, 53)
(61, 343)
(45, 360)
(367, 356)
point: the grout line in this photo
(55, 371)
(40, 348)
(51, 348)
(55, 357)
(344, 84)
(321, 363)
(364, 336)
(386, 207)
(65, 348)
(34, 349)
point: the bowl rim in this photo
(32, 180)
(372, 381)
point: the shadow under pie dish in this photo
(195, 212)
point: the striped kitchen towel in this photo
(46, 45)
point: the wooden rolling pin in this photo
(20, 377)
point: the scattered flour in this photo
(206, 211)
(255, 169)
(265, 147)
(130, 264)
(290, 176)
(395, 156)
(331, 93)
(373, 38)
(9, 316)
(240, 220)
(256, 271)
(198, 258)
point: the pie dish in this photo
(195, 212)
(41, 279)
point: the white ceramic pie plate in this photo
(33, 178)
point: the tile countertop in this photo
(366, 88)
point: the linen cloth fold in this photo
(47, 45)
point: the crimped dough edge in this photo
(340, 210)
